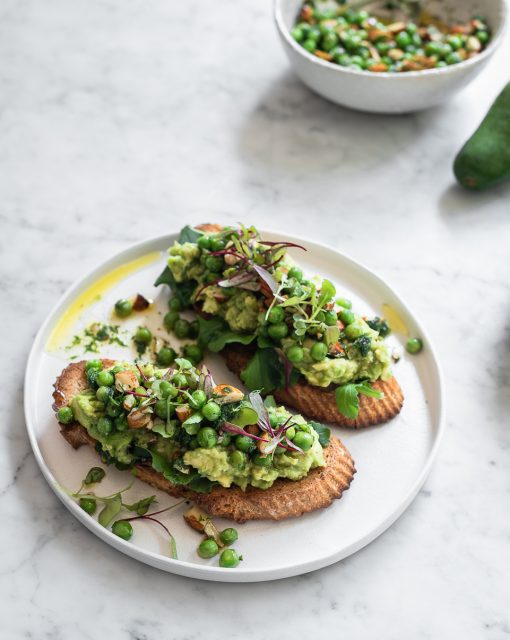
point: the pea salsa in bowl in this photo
(338, 33)
(389, 57)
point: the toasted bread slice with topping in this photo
(284, 499)
(319, 403)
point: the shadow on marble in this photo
(456, 203)
(294, 130)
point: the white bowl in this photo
(392, 92)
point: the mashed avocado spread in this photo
(192, 431)
(257, 289)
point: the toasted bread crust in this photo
(284, 499)
(319, 403)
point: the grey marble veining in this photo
(118, 120)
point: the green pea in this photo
(65, 415)
(104, 426)
(238, 459)
(416, 40)
(214, 263)
(343, 60)
(346, 316)
(262, 461)
(211, 411)
(290, 432)
(453, 58)
(297, 34)
(88, 505)
(440, 64)
(310, 45)
(446, 49)
(123, 529)
(105, 379)
(204, 242)
(93, 364)
(329, 41)
(161, 408)
(182, 328)
(103, 393)
(278, 331)
(319, 351)
(330, 318)
(229, 559)
(166, 356)
(207, 437)
(174, 304)
(216, 244)
(434, 49)
(170, 319)
(142, 335)
(194, 353)
(411, 28)
(414, 345)
(403, 39)
(207, 549)
(276, 315)
(303, 440)
(229, 536)
(198, 399)
(121, 423)
(483, 36)
(321, 316)
(179, 380)
(123, 308)
(113, 408)
(244, 443)
(455, 42)
(294, 353)
(167, 390)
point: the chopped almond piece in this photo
(183, 412)
(323, 55)
(378, 67)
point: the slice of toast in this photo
(319, 403)
(284, 499)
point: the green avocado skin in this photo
(485, 158)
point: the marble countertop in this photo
(119, 121)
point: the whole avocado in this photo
(485, 158)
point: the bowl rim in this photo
(426, 73)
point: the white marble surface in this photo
(120, 120)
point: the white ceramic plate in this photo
(392, 460)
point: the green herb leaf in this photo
(96, 474)
(323, 432)
(189, 234)
(347, 397)
(142, 506)
(244, 417)
(166, 468)
(269, 401)
(166, 430)
(181, 290)
(195, 418)
(200, 484)
(215, 334)
(327, 293)
(264, 372)
(112, 507)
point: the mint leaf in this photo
(264, 372)
(347, 399)
(323, 432)
(214, 334)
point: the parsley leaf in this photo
(347, 399)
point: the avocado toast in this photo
(235, 456)
(282, 332)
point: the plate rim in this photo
(207, 572)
